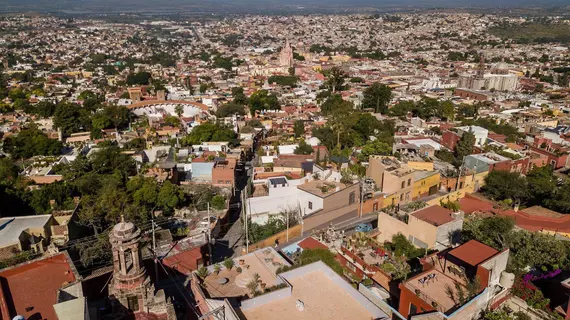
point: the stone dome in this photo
(125, 231)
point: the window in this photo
(133, 303)
(375, 207)
(409, 182)
(413, 309)
(403, 184)
(352, 198)
(402, 197)
(310, 205)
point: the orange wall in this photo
(408, 297)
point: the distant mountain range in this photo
(243, 6)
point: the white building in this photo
(480, 134)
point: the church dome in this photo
(125, 231)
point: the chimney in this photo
(52, 203)
(516, 208)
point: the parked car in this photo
(363, 227)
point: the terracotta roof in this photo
(473, 205)
(311, 243)
(539, 211)
(435, 215)
(184, 262)
(31, 288)
(473, 252)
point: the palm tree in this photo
(179, 110)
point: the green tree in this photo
(493, 231)
(299, 128)
(542, 182)
(375, 147)
(239, 96)
(377, 97)
(208, 132)
(262, 100)
(290, 81)
(8, 172)
(31, 142)
(219, 202)
(502, 185)
(139, 78)
(203, 88)
(447, 110)
(560, 200)
(16, 94)
(179, 109)
(230, 109)
(169, 197)
(336, 104)
(303, 148)
(335, 79)
(71, 118)
(400, 246)
(44, 109)
(402, 108)
(464, 147)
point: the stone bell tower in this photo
(130, 288)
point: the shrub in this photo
(202, 272)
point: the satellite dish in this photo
(19, 317)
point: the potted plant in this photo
(263, 284)
(434, 304)
(257, 277)
(202, 272)
(417, 292)
(217, 268)
(229, 263)
(238, 269)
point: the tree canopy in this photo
(335, 79)
(230, 109)
(32, 142)
(263, 100)
(209, 132)
(303, 148)
(377, 97)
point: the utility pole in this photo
(287, 233)
(361, 183)
(154, 248)
(459, 173)
(209, 234)
(244, 214)
(246, 229)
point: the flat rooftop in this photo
(490, 157)
(435, 215)
(323, 295)
(420, 142)
(317, 187)
(231, 284)
(12, 228)
(432, 285)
